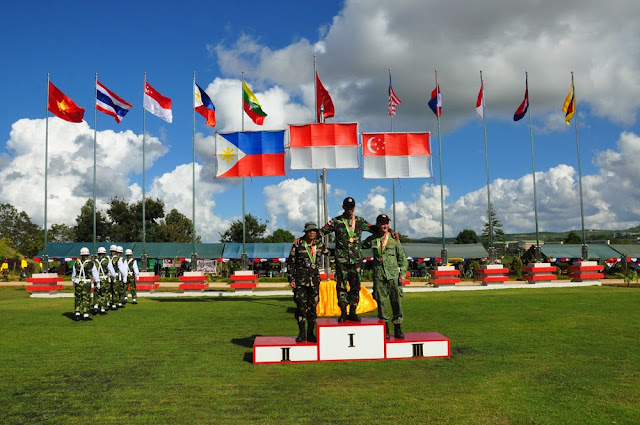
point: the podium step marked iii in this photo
(363, 340)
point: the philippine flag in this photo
(250, 153)
(436, 101)
(110, 103)
(203, 105)
(157, 104)
(396, 155)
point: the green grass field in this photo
(552, 356)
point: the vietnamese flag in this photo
(63, 107)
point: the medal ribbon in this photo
(385, 240)
(311, 253)
(351, 228)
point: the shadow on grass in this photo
(248, 343)
(69, 315)
(255, 300)
(463, 351)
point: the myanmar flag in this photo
(63, 107)
(251, 106)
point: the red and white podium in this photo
(44, 284)
(445, 275)
(244, 281)
(147, 282)
(348, 340)
(586, 271)
(193, 282)
(540, 273)
(492, 274)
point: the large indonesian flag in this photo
(316, 146)
(396, 155)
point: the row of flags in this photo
(323, 145)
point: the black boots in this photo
(311, 325)
(352, 314)
(301, 334)
(397, 331)
(343, 313)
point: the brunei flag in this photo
(251, 106)
(569, 107)
(250, 154)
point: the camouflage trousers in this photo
(386, 288)
(306, 299)
(348, 273)
(82, 297)
(117, 291)
(102, 295)
(131, 285)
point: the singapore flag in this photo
(396, 155)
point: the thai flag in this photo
(109, 103)
(522, 109)
(436, 101)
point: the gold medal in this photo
(351, 239)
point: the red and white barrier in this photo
(244, 281)
(445, 275)
(44, 284)
(147, 282)
(540, 273)
(493, 273)
(193, 282)
(586, 271)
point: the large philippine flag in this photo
(396, 155)
(109, 103)
(316, 146)
(157, 104)
(250, 154)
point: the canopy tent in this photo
(257, 250)
(596, 251)
(72, 249)
(154, 250)
(433, 250)
(627, 250)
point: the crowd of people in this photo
(103, 284)
(389, 268)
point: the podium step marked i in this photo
(348, 340)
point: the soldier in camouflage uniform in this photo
(84, 277)
(115, 277)
(132, 273)
(304, 278)
(389, 268)
(348, 230)
(102, 292)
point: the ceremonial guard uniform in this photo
(84, 277)
(102, 292)
(116, 278)
(389, 268)
(304, 278)
(348, 230)
(132, 274)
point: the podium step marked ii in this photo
(348, 340)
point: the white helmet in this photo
(128, 252)
(84, 251)
(102, 250)
(113, 248)
(120, 249)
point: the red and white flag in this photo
(316, 146)
(157, 104)
(396, 155)
(480, 102)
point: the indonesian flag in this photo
(63, 107)
(396, 155)
(157, 104)
(480, 101)
(316, 146)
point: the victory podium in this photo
(348, 340)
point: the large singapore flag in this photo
(250, 154)
(316, 146)
(396, 155)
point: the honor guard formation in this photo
(102, 284)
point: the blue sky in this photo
(356, 42)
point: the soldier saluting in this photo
(304, 278)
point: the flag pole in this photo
(144, 216)
(95, 138)
(319, 118)
(533, 169)
(443, 252)
(492, 252)
(194, 255)
(585, 248)
(244, 257)
(45, 258)
(393, 181)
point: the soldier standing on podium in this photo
(304, 278)
(348, 230)
(389, 268)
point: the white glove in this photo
(98, 285)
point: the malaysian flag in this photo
(393, 99)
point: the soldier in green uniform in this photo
(348, 230)
(84, 277)
(102, 292)
(389, 268)
(304, 278)
(115, 277)
(132, 273)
